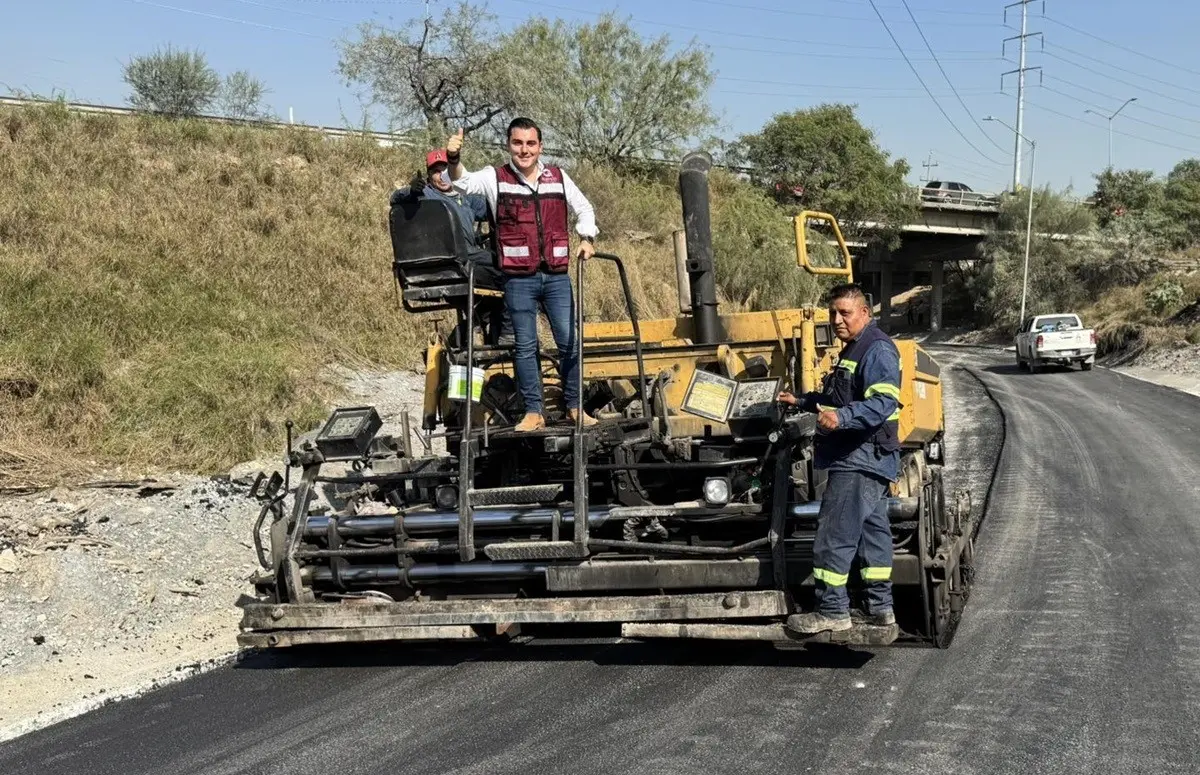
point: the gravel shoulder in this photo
(109, 590)
(1177, 368)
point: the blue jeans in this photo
(553, 294)
(853, 521)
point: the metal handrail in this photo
(466, 461)
(627, 292)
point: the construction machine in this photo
(688, 511)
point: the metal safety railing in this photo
(468, 445)
(580, 447)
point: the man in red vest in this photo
(529, 202)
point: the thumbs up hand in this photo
(454, 144)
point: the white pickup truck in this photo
(1059, 339)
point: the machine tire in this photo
(942, 599)
(1085, 365)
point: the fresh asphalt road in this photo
(1079, 652)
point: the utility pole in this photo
(1029, 216)
(1020, 71)
(928, 165)
(1109, 119)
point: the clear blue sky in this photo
(771, 56)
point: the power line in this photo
(962, 160)
(924, 85)
(923, 9)
(857, 57)
(947, 77)
(709, 31)
(293, 11)
(228, 19)
(1138, 106)
(792, 12)
(1125, 69)
(820, 96)
(1122, 81)
(1115, 131)
(829, 85)
(1118, 45)
(1127, 118)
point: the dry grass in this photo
(176, 289)
(1122, 318)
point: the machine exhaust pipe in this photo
(697, 227)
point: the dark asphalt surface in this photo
(1079, 651)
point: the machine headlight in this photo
(716, 491)
(446, 497)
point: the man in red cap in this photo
(470, 209)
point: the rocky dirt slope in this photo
(114, 587)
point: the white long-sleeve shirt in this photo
(484, 182)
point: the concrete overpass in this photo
(946, 230)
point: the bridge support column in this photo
(882, 257)
(935, 306)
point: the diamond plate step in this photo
(533, 550)
(506, 496)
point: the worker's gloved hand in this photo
(454, 147)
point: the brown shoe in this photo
(530, 422)
(588, 420)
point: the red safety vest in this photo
(531, 227)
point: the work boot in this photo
(532, 421)
(810, 624)
(588, 420)
(884, 618)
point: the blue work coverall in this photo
(861, 457)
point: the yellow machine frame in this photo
(668, 349)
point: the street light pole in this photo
(1109, 119)
(1028, 228)
(1029, 216)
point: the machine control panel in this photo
(721, 399)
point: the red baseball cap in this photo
(436, 156)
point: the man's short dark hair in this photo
(523, 123)
(847, 291)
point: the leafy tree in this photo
(176, 83)
(823, 158)
(437, 74)
(607, 94)
(1120, 192)
(241, 96)
(1182, 207)
(1056, 258)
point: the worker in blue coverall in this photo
(858, 413)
